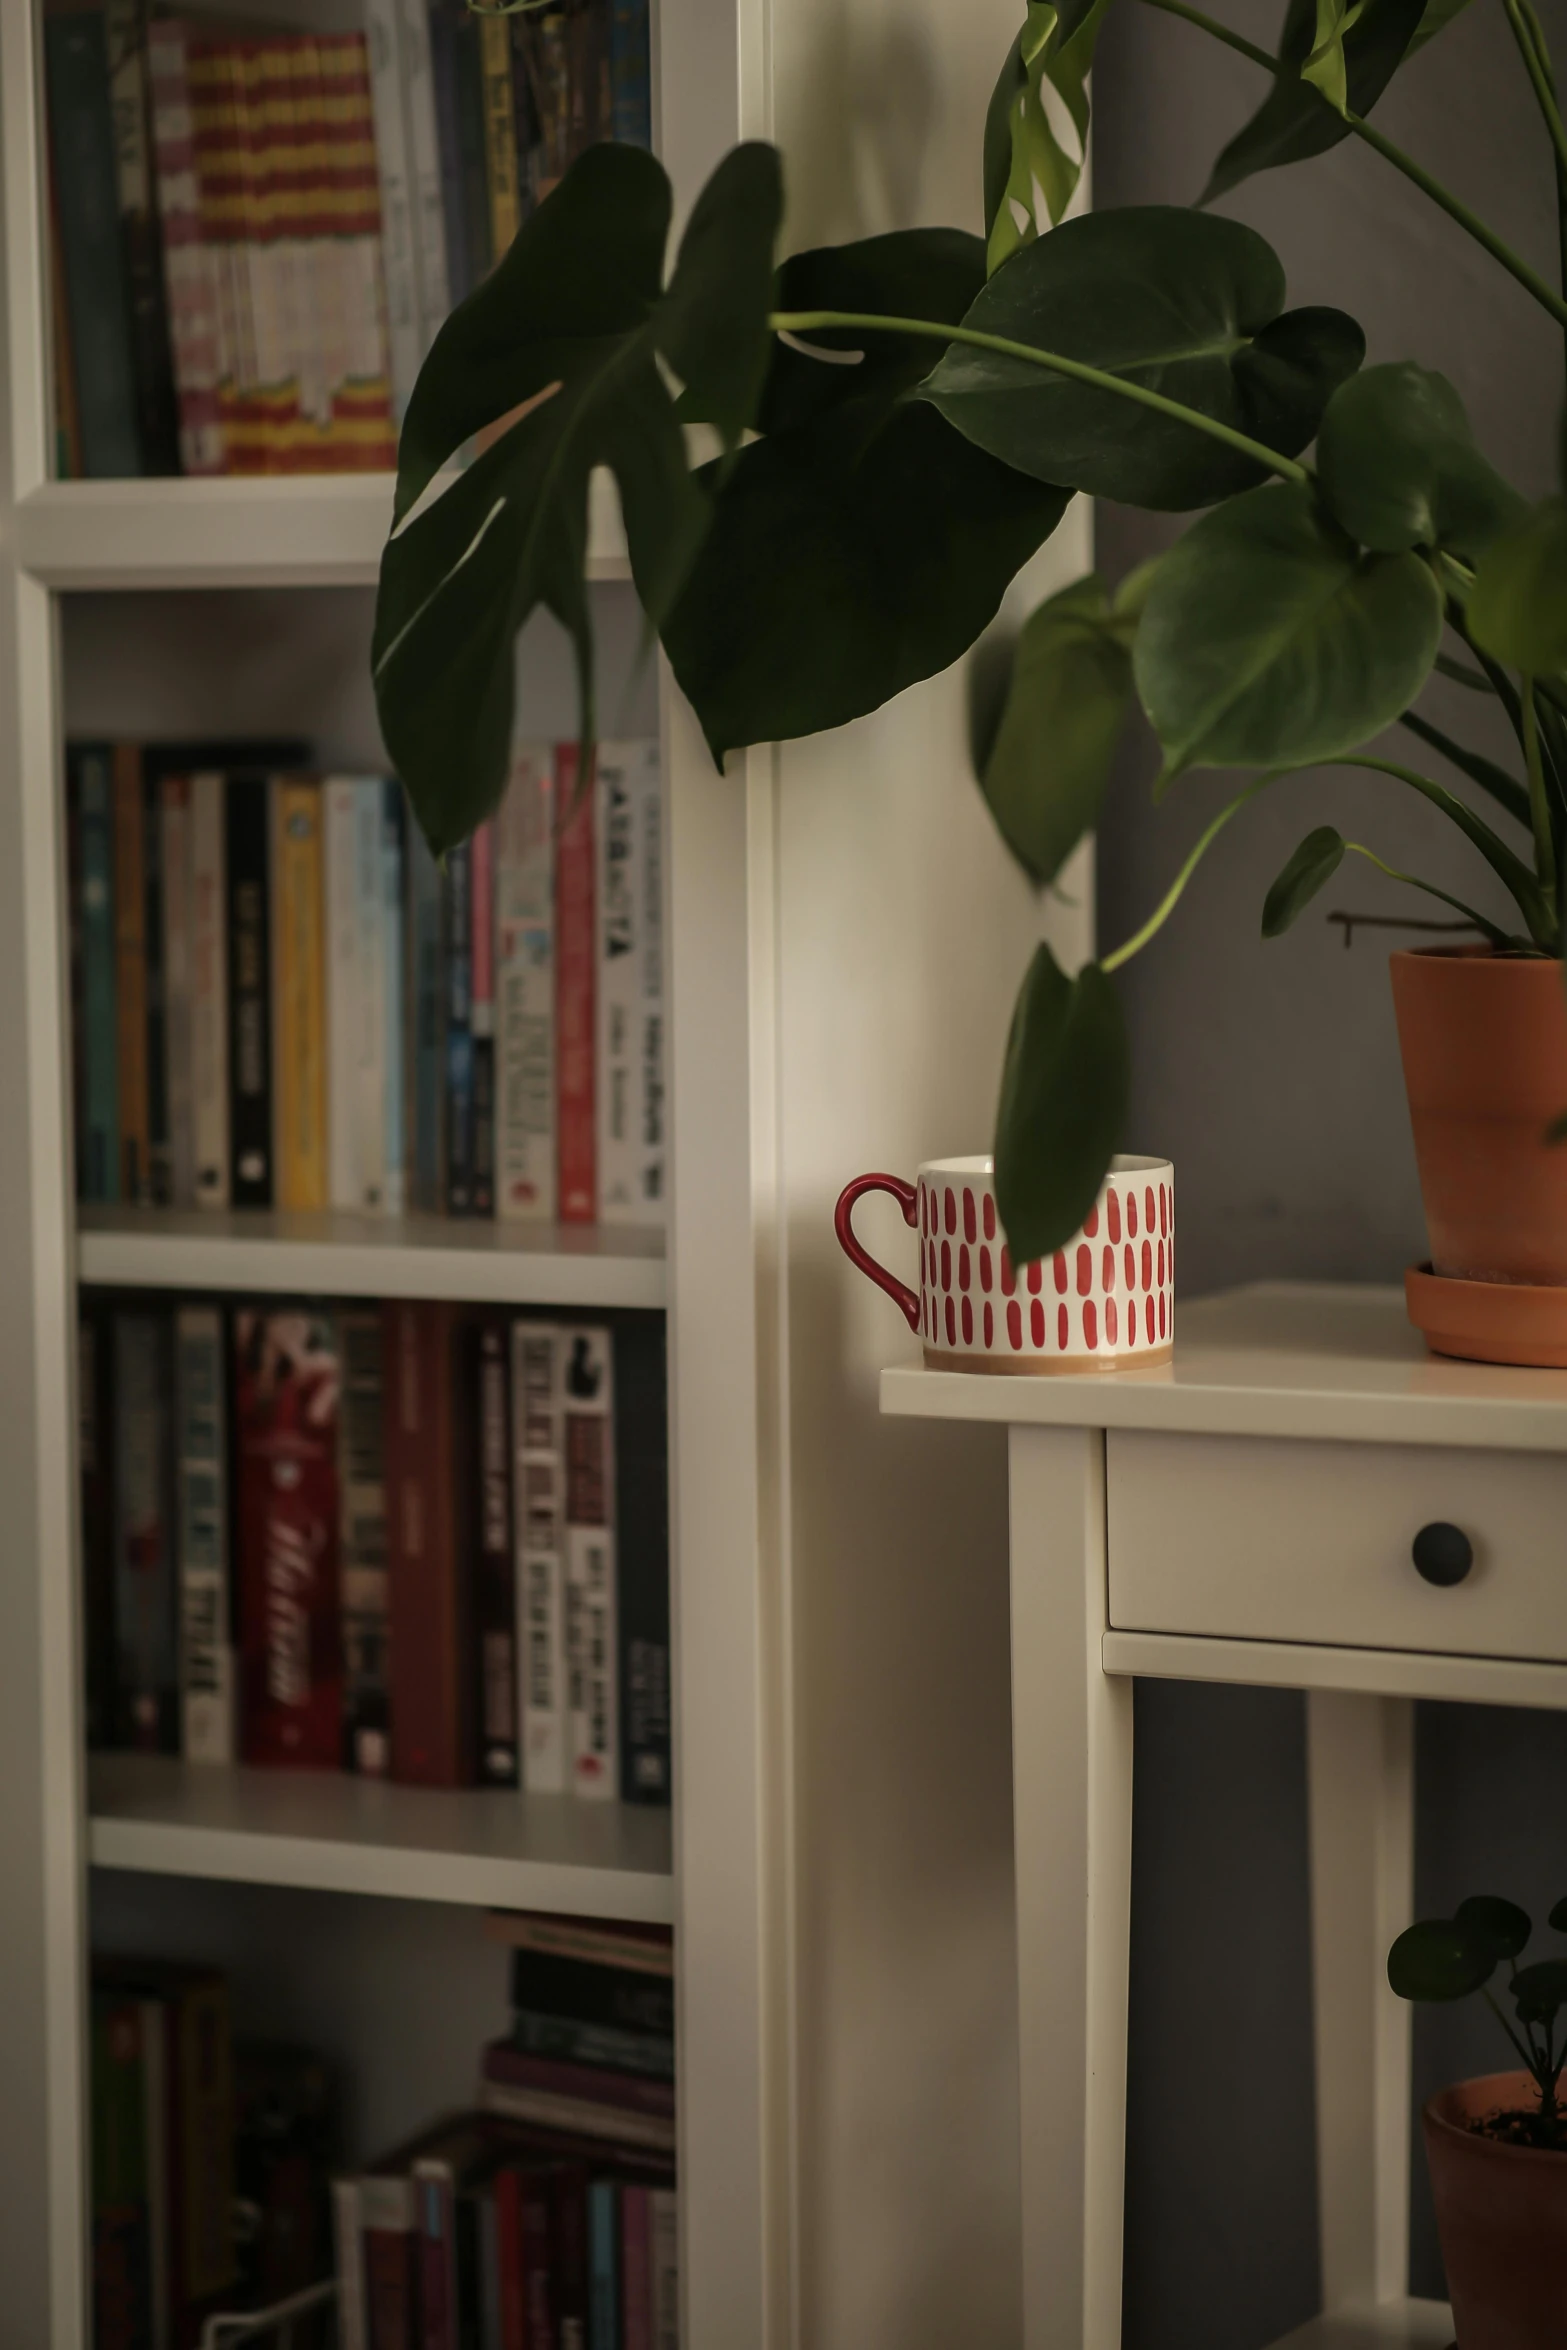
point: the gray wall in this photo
(1270, 1076)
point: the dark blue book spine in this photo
(642, 1536)
(630, 73)
(81, 129)
(459, 1038)
(97, 1144)
(448, 130)
(604, 2265)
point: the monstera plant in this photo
(897, 424)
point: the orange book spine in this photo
(363, 436)
(217, 141)
(299, 995)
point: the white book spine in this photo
(370, 918)
(587, 1378)
(630, 991)
(394, 991)
(209, 1008)
(206, 1642)
(538, 1523)
(353, 2320)
(525, 989)
(424, 157)
(174, 816)
(393, 170)
(664, 2265)
(340, 812)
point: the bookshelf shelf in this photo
(309, 530)
(1392, 2325)
(336, 1254)
(329, 1832)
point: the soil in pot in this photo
(1501, 2208)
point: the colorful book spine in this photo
(362, 1497)
(425, 1026)
(538, 1521)
(608, 2106)
(217, 142)
(81, 126)
(367, 1105)
(495, 1577)
(600, 2045)
(525, 990)
(444, 72)
(394, 171)
(630, 73)
(121, 2214)
(575, 1021)
(642, 1545)
(95, 1445)
(345, 1026)
(603, 2265)
(549, 63)
(428, 1595)
(500, 134)
(130, 946)
(190, 263)
(459, 1033)
(388, 2222)
(364, 434)
(424, 161)
(125, 28)
(636, 2257)
(207, 1727)
(178, 995)
(591, 1630)
(209, 1022)
(664, 2262)
(481, 1012)
(146, 1666)
(630, 986)
(394, 1142)
(159, 1159)
(249, 992)
(286, 1393)
(98, 1142)
(298, 1058)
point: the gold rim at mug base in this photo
(1152, 1358)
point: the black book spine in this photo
(160, 1166)
(578, 1990)
(642, 1523)
(459, 1036)
(250, 993)
(152, 363)
(95, 1404)
(494, 1571)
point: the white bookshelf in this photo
(338, 1254)
(1391, 2325)
(324, 1831)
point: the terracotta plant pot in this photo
(1484, 1045)
(1502, 2214)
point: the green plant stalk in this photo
(1539, 806)
(804, 322)
(1454, 206)
(1481, 922)
(1530, 2063)
(1534, 66)
(1503, 788)
(1172, 896)
(1542, 52)
(1538, 914)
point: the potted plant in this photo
(1497, 2146)
(899, 422)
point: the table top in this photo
(1277, 1358)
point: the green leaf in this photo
(1036, 129)
(1505, 789)
(1295, 120)
(1399, 466)
(1312, 866)
(1070, 692)
(931, 273)
(1325, 68)
(1438, 15)
(1063, 1104)
(1518, 604)
(1438, 1960)
(1497, 1925)
(575, 324)
(1269, 639)
(1186, 304)
(1539, 1990)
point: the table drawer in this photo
(1254, 1539)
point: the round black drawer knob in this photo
(1442, 1553)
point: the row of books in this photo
(409, 1540)
(280, 1001)
(193, 2132)
(546, 2219)
(255, 235)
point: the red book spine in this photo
(426, 1643)
(390, 2300)
(509, 2259)
(286, 1402)
(513, 2068)
(636, 2269)
(537, 2276)
(576, 1118)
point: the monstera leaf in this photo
(1518, 604)
(1036, 131)
(1063, 1104)
(1070, 690)
(574, 329)
(1179, 302)
(1399, 466)
(861, 544)
(1354, 54)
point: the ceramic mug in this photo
(1106, 1301)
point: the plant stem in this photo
(1542, 52)
(1454, 206)
(1171, 898)
(1481, 922)
(1503, 788)
(1512, 870)
(1539, 806)
(1534, 66)
(1525, 2053)
(802, 322)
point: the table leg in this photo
(1360, 1770)
(1072, 1802)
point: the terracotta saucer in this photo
(1489, 1321)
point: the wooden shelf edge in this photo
(1384, 1672)
(1392, 2325)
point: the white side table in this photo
(1249, 1513)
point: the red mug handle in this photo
(907, 1197)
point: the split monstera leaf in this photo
(901, 422)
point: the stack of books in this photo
(280, 1002)
(255, 235)
(503, 2231)
(188, 2128)
(592, 2043)
(409, 1540)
